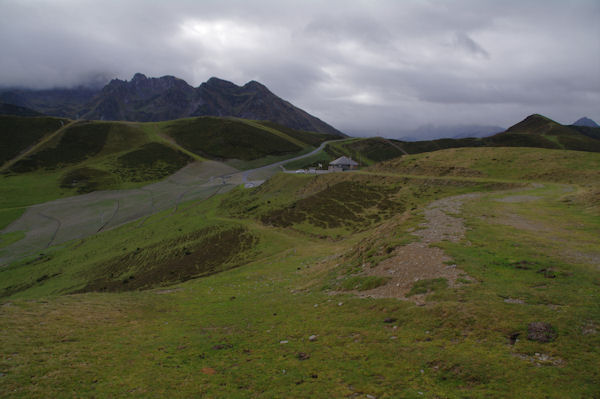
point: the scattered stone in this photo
(283, 342)
(390, 320)
(222, 346)
(312, 338)
(340, 303)
(371, 396)
(541, 332)
(523, 265)
(589, 328)
(513, 300)
(514, 337)
(548, 273)
(393, 337)
(302, 356)
(316, 305)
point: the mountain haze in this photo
(144, 99)
(585, 121)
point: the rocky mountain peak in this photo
(138, 77)
(217, 83)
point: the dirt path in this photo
(37, 145)
(418, 260)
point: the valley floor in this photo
(462, 278)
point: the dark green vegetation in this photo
(228, 138)
(77, 143)
(152, 161)
(18, 133)
(311, 138)
(205, 251)
(11, 109)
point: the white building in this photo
(342, 163)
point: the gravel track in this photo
(419, 260)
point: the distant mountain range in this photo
(432, 132)
(534, 131)
(144, 99)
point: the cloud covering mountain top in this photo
(367, 67)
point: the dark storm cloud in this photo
(369, 67)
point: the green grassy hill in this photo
(534, 131)
(20, 133)
(47, 158)
(284, 290)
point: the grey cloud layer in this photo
(371, 67)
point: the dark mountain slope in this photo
(255, 101)
(145, 99)
(11, 109)
(56, 102)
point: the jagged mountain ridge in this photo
(144, 99)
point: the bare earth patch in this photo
(518, 198)
(418, 260)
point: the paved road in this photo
(279, 164)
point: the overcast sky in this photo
(367, 67)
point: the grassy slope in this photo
(90, 156)
(366, 151)
(220, 335)
(19, 133)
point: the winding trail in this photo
(58, 225)
(419, 260)
(37, 145)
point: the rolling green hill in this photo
(19, 133)
(466, 272)
(62, 158)
(534, 131)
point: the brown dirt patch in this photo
(418, 261)
(518, 198)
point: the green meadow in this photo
(259, 292)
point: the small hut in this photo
(342, 163)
